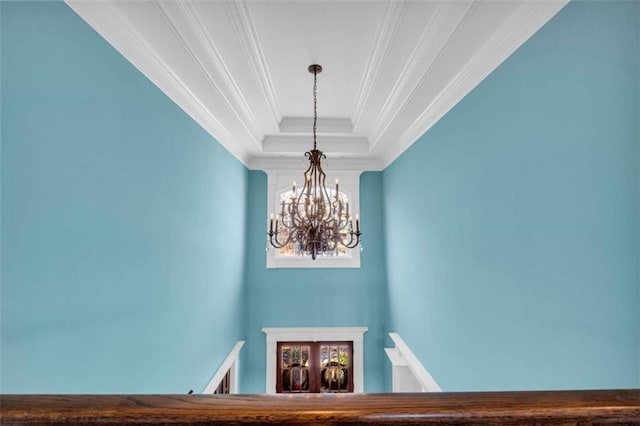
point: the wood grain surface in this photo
(545, 407)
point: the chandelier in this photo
(315, 219)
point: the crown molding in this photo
(114, 27)
(325, 125)
(515, 31)
(223, 82)
(208, 58)
(388, 31)
(444, 21)
(299, 164)
(240, 16)
(334, 144)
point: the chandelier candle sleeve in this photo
(313, 221)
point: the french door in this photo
(314, 367)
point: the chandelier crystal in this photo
(315, 219)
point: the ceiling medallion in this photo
(315, 220)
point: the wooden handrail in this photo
(545, 407)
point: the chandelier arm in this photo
(273, 239)
(326, 199)
(320, 193)
(341, 223)
(291, 216)
(345, 239)
(342, 219)
(353, 243)
(332, 242)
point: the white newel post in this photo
(407, 372)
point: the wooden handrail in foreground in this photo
(545, 407)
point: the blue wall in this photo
(119, 273)
(516, 265)
(638, 138)
(512, 226)
(315, 297)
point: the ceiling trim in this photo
(388, 32)
(240, 17)
(396, 102)
(515, 31)
(424, 59)
(329, 143)
(300, 163)
(240, 108)
(106, 19)
(325, 125)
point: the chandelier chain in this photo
(315, 102)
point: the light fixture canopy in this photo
(315, 219)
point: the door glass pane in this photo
(299, 379)
(295, 368)
(286, 356)
(324, 355)
(295, 356)
(286, 380)
(334, 355)
(344, 356)
(334, 378)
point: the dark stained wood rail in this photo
(553, 407)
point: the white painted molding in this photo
(514, 32)
(240, 16)
(325, 125)
(298, 163)
(112, 24)
(223, 63)
(396, 358)
(229, 363)
(387, 33)
(319, 263)
(315, 334)
(404, 361)
(329, 144)
(444, 23)
(223, 81)
(402, 379)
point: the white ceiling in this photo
(392, 68)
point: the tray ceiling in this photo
(392, 69)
